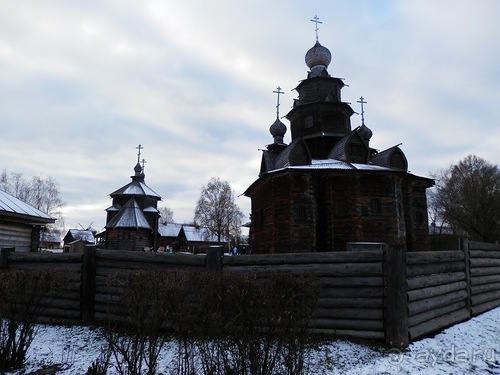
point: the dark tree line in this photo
(466, 200)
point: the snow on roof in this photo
(195, 234)
(169, 230)
(130, 216)
(13, 205)
(136, 188)
(81, 234)
(335, 164)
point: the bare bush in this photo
(22, 293)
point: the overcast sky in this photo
(82, 83)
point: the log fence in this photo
(388, 295)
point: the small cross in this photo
(316, 21)
(278, 91)
(139, 152)
(143, 161)
(362, 101)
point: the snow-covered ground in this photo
(472, 347)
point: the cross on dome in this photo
(362, 101)
(139, 148)
(278, 92)
(316, 20)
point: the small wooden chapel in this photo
(132, 219)
(329, 188)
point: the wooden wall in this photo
(391, 295)
(351, 287)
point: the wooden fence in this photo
(391, 295)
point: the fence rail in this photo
(389, 295)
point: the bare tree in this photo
(39, 192)
(468, 198)
(166, 215)
(217, 211)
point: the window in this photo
(308, 122)
(342, 207)
(300, 212)
(376, 207)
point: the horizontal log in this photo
(477, 289)
(304, 258)
(107, 271)
(349, 324)
(429, 269)
(427, 257)
(484, 271)
(436, 290)
(434, 313)
(485, 306)
(488, 279)
(128, 264)
(484, 254)
(438, 324)
(55, 312)
(353, 292)
(58, 321)
(351, 281)
(319, 270)
(75, 268)
(484, 262)
(417, 307)
(146, 257)
(356, 334)
(485, 297)
(418, 282)
(349, 313)
(476, 245)
(45, 257)
(328, 302)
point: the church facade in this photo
(329, 188)
(132, 219)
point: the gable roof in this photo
(79, 235)
(169, 230)
(12, 206)
(198, 234)
(129, 216)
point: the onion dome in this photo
(365, 133)
(318, 56)
(278, 130)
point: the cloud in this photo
(82, 83)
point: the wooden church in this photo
(132, 219)
(329, 188)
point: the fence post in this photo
(4, 257)
(88, 285)
(464, 246)
(396, 306)
(214, 258)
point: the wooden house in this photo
(329, 188)
(186, 238)
(21, 224)
(76, 240)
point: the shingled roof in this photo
(129, 216)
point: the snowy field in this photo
(472, 347)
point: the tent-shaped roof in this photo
(136, 188)
(129, 216)
(13, 206)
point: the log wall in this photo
(391, 295)
(351, 287)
